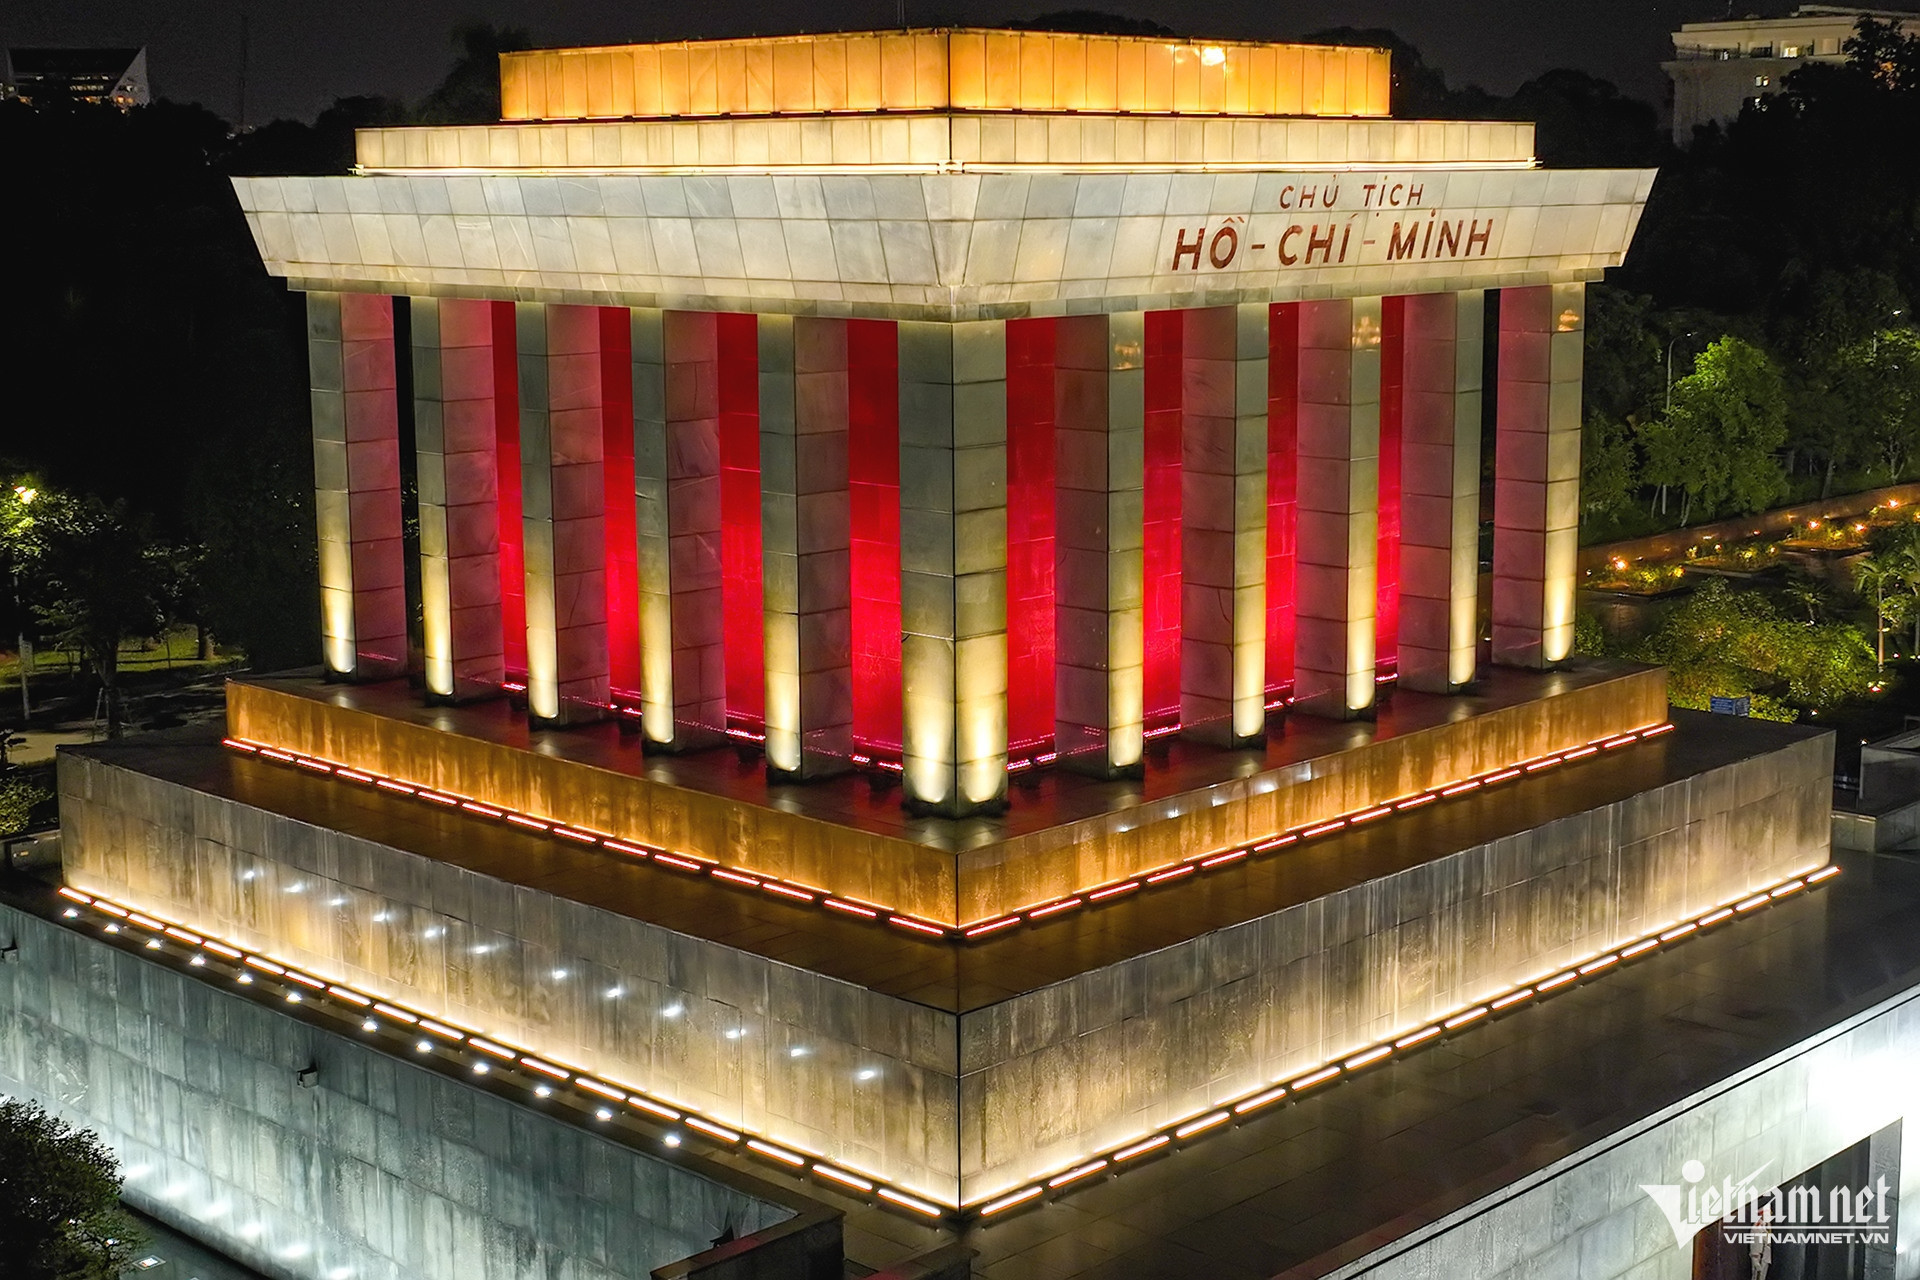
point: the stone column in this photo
(1100, 430)
(1224, 526)
(1536, 496)
(953, 565)
(1339, 489)
(806, 550)
(563, 505)
(356, 467)
(455, 430)
(1440, 492)
(676, 423)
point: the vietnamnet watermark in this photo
(1754, 1214)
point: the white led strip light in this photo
(541, 1075)
(534, 1070)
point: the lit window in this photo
(1761, 82)
(1789, 50)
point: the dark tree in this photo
(471, 92)
(1091, 22)
(60, 1215)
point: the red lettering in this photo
(1477, 236)
(1286, 196)
(1288, 259)
(1232, 238)
(1393, 197)
(1181, 248)
(1315, 243)
(1345, 237)
(1415, 192)
(1449, 245)
(1306, 197)
(1367, 200)
(1398, 249)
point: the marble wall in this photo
(1085, 1064)
(380, 1171)
(993, 876)
(897, 1088)
(823, 1065)
(1587, 1215)
(945, 246)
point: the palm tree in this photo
(1875, 576)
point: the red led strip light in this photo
(810, 895)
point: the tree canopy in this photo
(60, 1214)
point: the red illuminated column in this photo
(873, 496)
(953, 565)
(1030, 537)
(1160, 533)
(1386, 611)
(677, 473)
(455, 435)
(742, 591)
(356, 463)
(1283, 410)
(620, 505)
(1224, 525)
(563, 486)
(512, 530)
(1536, 495)
(1440, 489)
(1337, 443)
(805, 552)
(1099, 430)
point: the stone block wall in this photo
(776, 1049)
(1586, 1216)
(382, 1170)
(1085, 1064)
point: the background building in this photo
(46, 76)
(1719, 67)
(950, 726)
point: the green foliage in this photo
(1589, 637)
(60, 1215)
(1717, 443)
(1878, 386)
(1607, 467)
(1727, 642)
(20, 795)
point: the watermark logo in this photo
(1755, 1214)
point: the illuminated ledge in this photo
(545, 1078)
(1061, 840)
(941, 143)
(743, 879)
(961, 68)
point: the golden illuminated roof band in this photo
(957, 70)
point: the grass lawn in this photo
(178, 650)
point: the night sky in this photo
(305, 54)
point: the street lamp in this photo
(1683, 337)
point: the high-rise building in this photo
(951, 719)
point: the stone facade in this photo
(382, 1170)
(886, 1084)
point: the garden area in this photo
(1819, 623)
